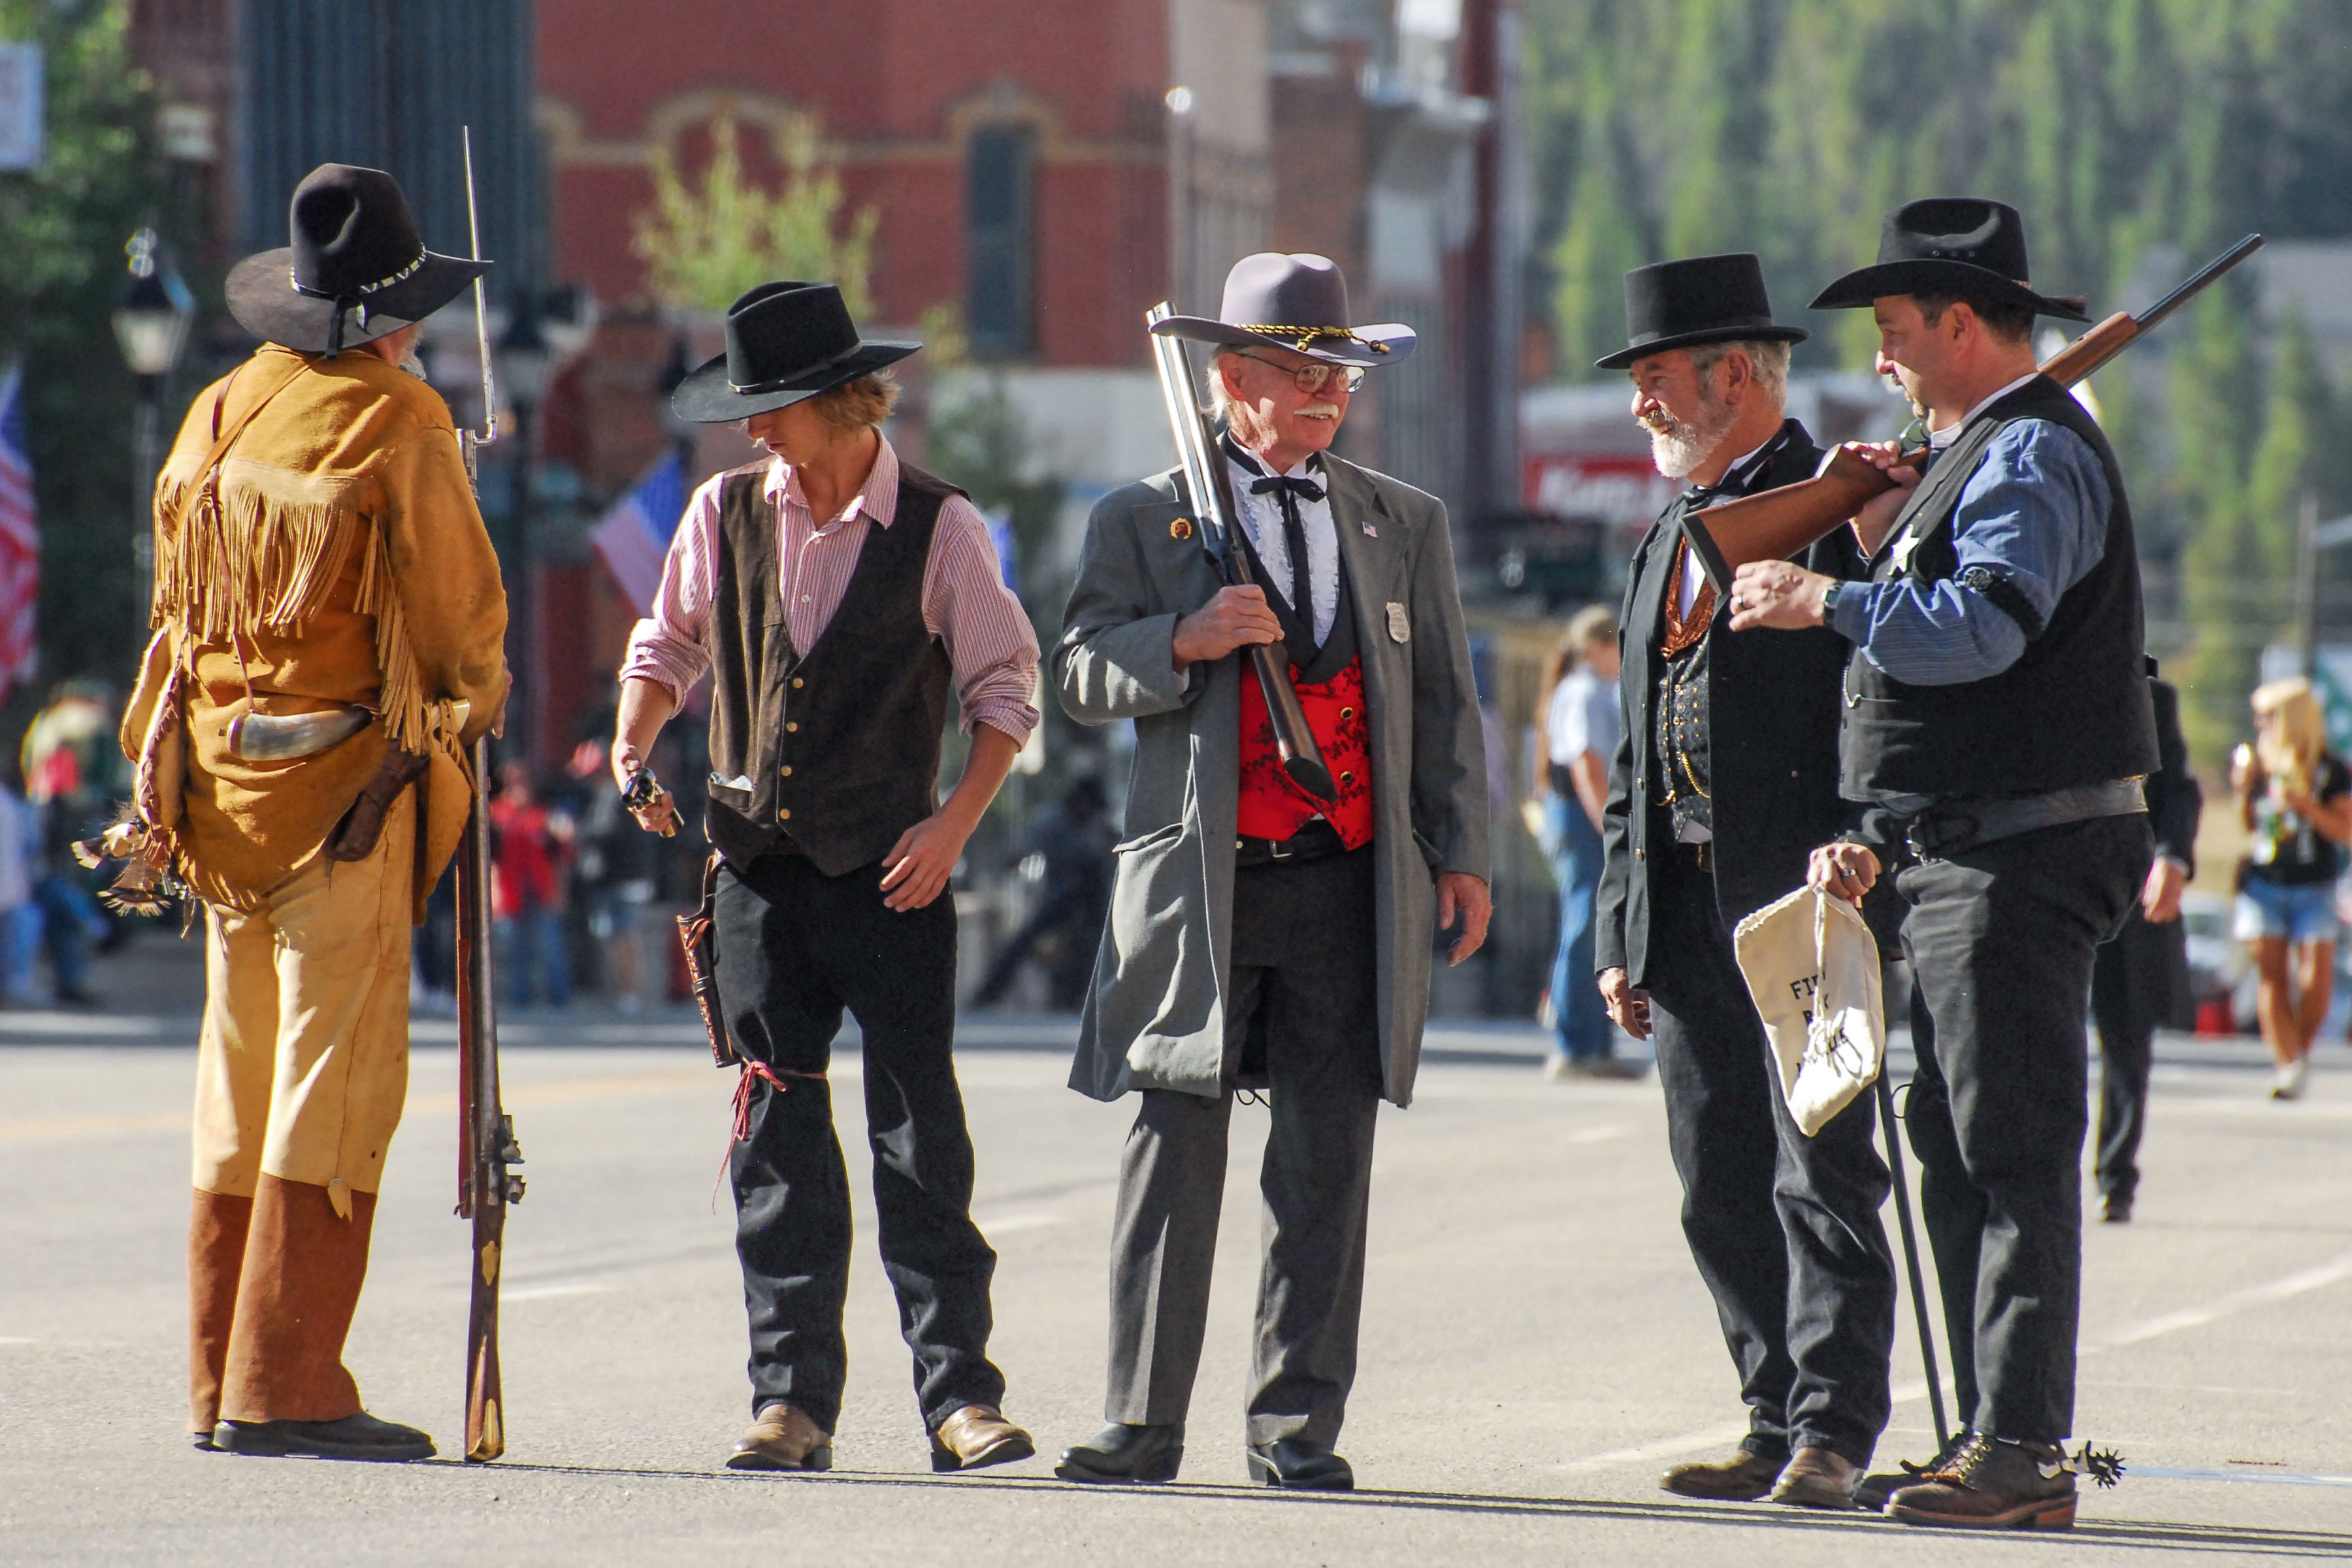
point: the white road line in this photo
(549, 1292)
(1594, 1135)
(13, 1340)
(1731, 1432)
(1017, 1222)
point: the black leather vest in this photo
(2073, 708)
(837, 748)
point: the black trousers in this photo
(2000, 942)
(2134, 982)
(1784, 1228)
(795, 948)
(1301, 1020)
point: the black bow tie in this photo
(1287, 484)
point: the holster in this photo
(698, 933)
(354, 837)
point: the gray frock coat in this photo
(1154, 1017)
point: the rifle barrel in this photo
(2199, 281)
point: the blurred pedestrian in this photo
(1074, 840)
(328, 621)
(1584, 720)
(18, 930)
(2139, 980)
(613, 876)
(531, 849)
(2295, 798)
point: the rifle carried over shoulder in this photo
(1775, 525)
(485, 1141)
(1213, 499)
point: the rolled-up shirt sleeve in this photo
(2031, 523)
(990, 643)
(667, 646)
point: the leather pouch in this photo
(698, 933)
(355, 836)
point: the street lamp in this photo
(151, 323)
(526, 365)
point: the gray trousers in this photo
(1302, 1024)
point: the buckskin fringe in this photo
(400, 699)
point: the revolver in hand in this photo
(650, 803)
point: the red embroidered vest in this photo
(1272, 807)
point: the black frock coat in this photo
(1773, 702)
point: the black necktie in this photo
(1288, 489)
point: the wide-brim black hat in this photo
(1951, 244)
(1296, 302)
(786, 342)
(355, 271)
(1702, 300)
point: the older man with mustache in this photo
(1727, 777)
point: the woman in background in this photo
(2294, 797)
(1581, 727)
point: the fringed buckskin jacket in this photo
(337, 558)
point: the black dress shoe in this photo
(1297, 1464)
(358, 1437)
(1125, 1454)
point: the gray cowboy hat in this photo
(1950, 244)
(1702, 300)
(356, 271)
(1296, 302)
(786, 342)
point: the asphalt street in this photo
(1536, 1345)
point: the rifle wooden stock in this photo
(485, 1134)
(1779, 524)
(1212, 498)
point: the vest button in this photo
(1347, 712)
(796, 683)
(1347, 778)
(784, 814)
(791, 727)
(1637, 854)
(788, 771)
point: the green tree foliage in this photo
(62, 229)
(1665, 127)
(705, 241)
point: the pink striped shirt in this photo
(966, 605)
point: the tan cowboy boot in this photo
(782, 1438)
(1743, 1478)
(978, 1436)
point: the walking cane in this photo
(1911, 1260)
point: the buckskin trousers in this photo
(2000, 940)
(302, 1071)
(1784, 1228)
(1302, 1022)
(795, 948)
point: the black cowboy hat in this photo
(1950, 244)
(1704, 300)
(356, 271)
(1297, 302)
(786, 342)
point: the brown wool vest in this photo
(835, 750)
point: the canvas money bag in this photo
(1812, 967)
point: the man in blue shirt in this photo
(1997, 727)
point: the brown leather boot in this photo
(1817, 1477)
(782, 1438)
(1993, 1484)
(303, 1268)
(978, 1436)
(1874, 1488)
(1743, 1478)
(217, 1231)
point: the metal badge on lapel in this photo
(1369, 532)
(1400, 629)
(1180, 528)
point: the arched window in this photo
(1000, 239)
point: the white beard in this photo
(1682, 446)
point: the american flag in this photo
(20, 542)
(634, 537)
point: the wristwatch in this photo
(1829, 602)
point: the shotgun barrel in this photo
(1775, 525)
(1211, 488)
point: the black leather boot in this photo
(1124, 1454)
(1297, 1464)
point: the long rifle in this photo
(485, 1142)
(1211, 488)
(1775, 524)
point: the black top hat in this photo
(786, 342)
(1297, 302)
(355, 272)
(1703, 299)
(1950, 244)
